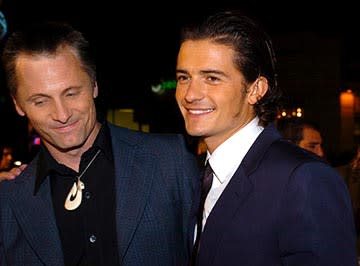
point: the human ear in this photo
(258, 90)
(95, 91)
(18, 108)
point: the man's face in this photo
(210, 92)
(312, 141)
(6, 159)
(57, 97)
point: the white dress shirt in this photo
(226, 159)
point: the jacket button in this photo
(92, 239)
(87, 195)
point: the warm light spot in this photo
(347, 98)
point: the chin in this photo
(195, 132)
(67, 146)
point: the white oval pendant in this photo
(73, 199)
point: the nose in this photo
(194, 91)
(319, 151)
(61, 112)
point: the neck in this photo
(71, 158)
(212, 142)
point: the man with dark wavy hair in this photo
(270, 202)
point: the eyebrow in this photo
(204, 72)
(34, 96)
(213, 71)
(181, 71)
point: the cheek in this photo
(39, 118)
(83, 105)
(179, 94)
(37, 121)
(235, 104)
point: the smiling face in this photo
(211, 92)
(56, 95)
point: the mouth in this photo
(197, 111)
(65, 128)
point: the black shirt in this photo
(88, 233)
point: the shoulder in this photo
(287, 159)
(24, 182)
(291, 153)
(168, 147)
(136, 138)
(303, 164)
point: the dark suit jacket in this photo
(283, 206)
(154, 186)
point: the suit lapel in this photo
(42, 235)
(133, 185)
(234, 196)
(229, 203)
(193, 214)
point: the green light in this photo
(165, 85)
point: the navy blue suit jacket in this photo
(283, 206)
(154, 187)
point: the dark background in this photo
(135, 44)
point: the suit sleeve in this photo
(316, 225)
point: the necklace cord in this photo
(88, 165)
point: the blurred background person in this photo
(8, 170)
(6, 153)
(305, 134)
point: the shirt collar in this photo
(47, 164)
(227, 157)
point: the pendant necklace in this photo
(73, 199)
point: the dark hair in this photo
(4, 146)
(292, 130)
(45, 38)
(254, 55)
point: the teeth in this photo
(200, 111)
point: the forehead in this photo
(310, 133)
(205, 52)
(63, 56)
(36, 73)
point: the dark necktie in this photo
(206, 183)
